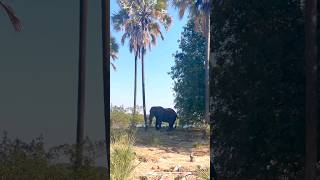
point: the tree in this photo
(81, 81)
(200, 12)
(142, 18)
(188, 76)
(122, 22)
(12, 16)
(311, 88)
(114, 48)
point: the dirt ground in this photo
(170, 155)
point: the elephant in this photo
(162, 115)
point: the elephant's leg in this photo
(158, 125)
(171, 124)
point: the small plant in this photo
(122, 157)
(203, 173)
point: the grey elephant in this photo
(162, 115)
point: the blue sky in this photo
(158, 62)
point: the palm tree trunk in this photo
(106, 78)
(143, 91)
(81, 82)
(206, 79)
(135, 84)
(311, 89)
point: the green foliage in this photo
(114, 49)
(188, 75)
(122, 156)
(122, 117)
(20, 160)
(258, 90)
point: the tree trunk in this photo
(143, 91)
(106, 77)
(206, 79)
(81, 82)
(207, 95)
(311, 89)
(135, 84)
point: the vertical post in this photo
(81, 81)
(311, 88)
(105, 6)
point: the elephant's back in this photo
(170, 112)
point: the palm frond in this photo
(12, 16)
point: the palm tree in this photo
(122, 22)
(114, 48)
(106, 76)
(140, 19)
(12, 16)
(81, 81)
(311, 89)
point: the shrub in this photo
(122, 156)
(203, 173)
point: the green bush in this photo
(122, 156)
(122, 117)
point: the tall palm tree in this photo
(105, 6)
(81, 81)
(114, 48)
(140, 21)
(132, 31)
(311, 89)
(12, 16)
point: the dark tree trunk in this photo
(143, 90)
(106, 77)
(206, 79)
(135, 84)
(81, 81)
(207, 95)
(311, 89)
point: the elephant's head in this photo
(154, 112)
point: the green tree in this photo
(199, 11)
(188, 76)
(12, 16)
(143, 19)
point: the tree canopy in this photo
(188, 75)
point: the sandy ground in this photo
(166, 155)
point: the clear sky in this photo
(158, 62)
